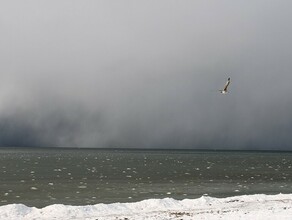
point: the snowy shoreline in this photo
(237, 207)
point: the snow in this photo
(238, 207)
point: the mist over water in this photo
(146, 75)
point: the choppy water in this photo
(40, 177)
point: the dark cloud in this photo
(146, 74)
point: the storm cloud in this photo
(146, 74)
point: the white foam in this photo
(239, 207)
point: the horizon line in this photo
(147, 149)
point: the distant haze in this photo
(146, 74)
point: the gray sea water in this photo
(40, 177)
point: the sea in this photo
(43, 176)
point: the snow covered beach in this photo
(238, 207)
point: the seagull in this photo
(224, 91)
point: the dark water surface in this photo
(40, 177)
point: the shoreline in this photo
(258, 206)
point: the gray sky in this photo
(146, 74)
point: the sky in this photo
(146, 74)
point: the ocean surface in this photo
(40, 177)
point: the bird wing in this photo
(226, 85)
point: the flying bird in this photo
(224, 91)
